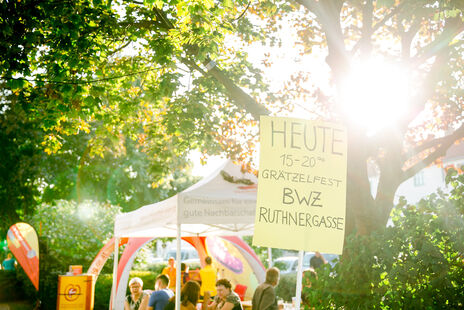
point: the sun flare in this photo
(375, 94)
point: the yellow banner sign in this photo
(302, 185)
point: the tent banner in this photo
(301, 198)
(203, 209)
(102, 256)
(124, 267)
(24, 244)
(228, 197)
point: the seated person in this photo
(160, 297)
(189, 296)
(226, 298)
(138, 299)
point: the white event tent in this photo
(213, 206)
(222, 204)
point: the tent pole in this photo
(269, 255)
(178, 264)
(299, 280)
(115, 272)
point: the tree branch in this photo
(119, 48)
(440, 48)
(192, 65)
(452, 28)
(392, 13)
(136, 2)
(441, 144)
(428, 89)
(244, 11)
(240, 97)
(311, 5)
(162, 18)
(435, 142)
(328, 13)
(406, 39)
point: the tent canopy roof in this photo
(223, 203)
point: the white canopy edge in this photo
(213, 206)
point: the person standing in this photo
(9, 263)
(170, 271)
(264, 297)
(208, 278)
(317, 261)
(160, 297)
(138, 299)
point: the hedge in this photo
(105, 281)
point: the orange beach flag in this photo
(24, 244)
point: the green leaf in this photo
(16, 84)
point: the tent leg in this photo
(178, 264)
(269, 255)
(299, 280)
(115, 273)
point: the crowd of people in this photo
(163, 297)
(208, 293)
(205, 293)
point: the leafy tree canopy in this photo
(170, 76)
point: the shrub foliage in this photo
(69, 234)
(417, 263)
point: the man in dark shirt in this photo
(160, 297)
(317, 260)
(264, 297)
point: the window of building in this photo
(419, 179)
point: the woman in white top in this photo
(138, 299)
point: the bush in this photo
(16, 285)
(105, 281)
(147, 277)
(68, 234)
(103, 291)
(286, 287)
(416, 264)
(50, 268)
(74, 233)
(156, 268)
(9, 284)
